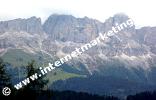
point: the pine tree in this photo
(38, 84)
(4, 76)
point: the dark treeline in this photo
(56, 95)
(35, 90)
(71, 95)
(143, 96)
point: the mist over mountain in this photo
(129, 59)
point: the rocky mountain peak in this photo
(69, 28)
(30, 25)
(118, 19)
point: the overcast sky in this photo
(141, 11)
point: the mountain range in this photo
(123, 65)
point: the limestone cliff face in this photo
(68, 28)
(30, 25)
(21, 34)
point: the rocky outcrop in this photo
(30, 25)
(68, 28)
